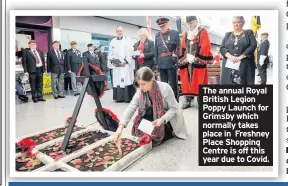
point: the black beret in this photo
(89, 45)
(162, 21)
(190, 18)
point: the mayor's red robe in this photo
(201, 50)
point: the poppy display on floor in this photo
(112, 120)
(75, 144)
(50, 135)
(100, 86)
(26, 164)
(102, 157)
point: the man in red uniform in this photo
(195, 50)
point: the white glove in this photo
(190, 58)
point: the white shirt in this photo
(92, 53)
(58, 53)
(40, 64)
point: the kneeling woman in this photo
(155, 102)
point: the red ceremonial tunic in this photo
(200, 48)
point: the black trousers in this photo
(111, 75)
(36, 83)
(67, 83)
(170, 76)
(168, 127)
(262, 73)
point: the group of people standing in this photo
(133, 65)
(167, 54)
(158, 101)
(58, 63)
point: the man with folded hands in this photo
(121, 62)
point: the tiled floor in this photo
(174, 155)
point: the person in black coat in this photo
(34, 64)
(103, 58)
(56, 66)
(238, 46)
(92, 58)
(74, 62)
(263, 58)
(167, 44)
(67, 76)
(146, 50)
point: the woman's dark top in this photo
(236, 45)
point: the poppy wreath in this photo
(111, 119)
(145, 139)
(27, 145)
(101, 86)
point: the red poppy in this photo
(195, 39)
(27, 145)
(145, 139)
(243, 35)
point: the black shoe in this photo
(23, 98)
(41, 99)
(56, 97)
(35, 100)
(76, 94)
(61, 96)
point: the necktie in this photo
(36, 57)
(58, 54)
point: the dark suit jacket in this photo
(29, 61)
(103, 61)
(54, 65)
(148, 53)
(172, 41)
(263, 50)
(91, 59)
(73, 60)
